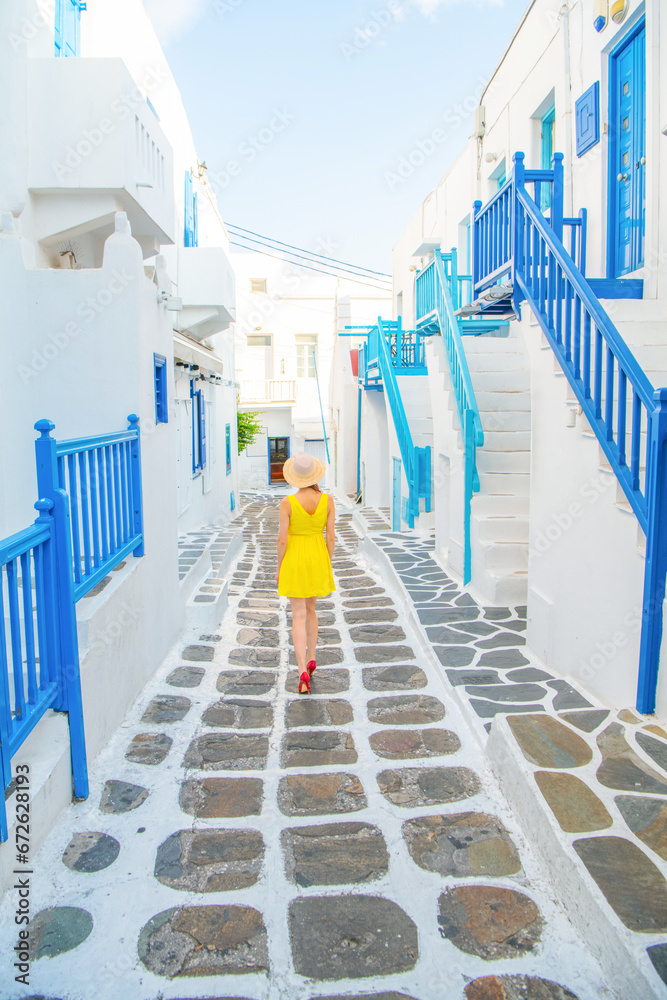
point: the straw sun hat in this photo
(303, 470)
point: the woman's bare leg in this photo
(311, 628)
(299, 631)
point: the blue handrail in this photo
(101, 475)
(389, 350)
(39, 659)
(628, 416)
(437, 293)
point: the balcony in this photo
(268, 391)
(101, 152)
(208, 291)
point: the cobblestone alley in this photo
(241, 841)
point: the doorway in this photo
(627, 154)
(278, 455)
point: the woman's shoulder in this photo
(286, 503)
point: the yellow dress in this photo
(306, 567)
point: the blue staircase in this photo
(391, 351)
(437, 291)
(519, 255)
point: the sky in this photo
(310, 115)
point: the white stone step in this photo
(511, 402)
(503, 461)
(420, 425)
(504, 590)
(504, 484)
(504, 557)
(492, 345)
(503, 529)
(504, 421)
(507, 440)
(501, 381)
(495, 362)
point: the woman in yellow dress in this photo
(304, 559)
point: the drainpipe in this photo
(564, 17)
(359, 440)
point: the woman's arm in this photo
(331, 526)
(285, 511)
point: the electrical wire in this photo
(291, 253)
(310, 267)
(269, 239)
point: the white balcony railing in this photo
(103, 150)
(279, 390)
(207, 288)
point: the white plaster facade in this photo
(94, 281)
(284, 312)
(548, 527)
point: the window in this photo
(259, 340)
(198, 429)
(258, 286)
(161, 408)
(67, 25)
(548, 132)
(190, 234)
(587, 117)
(228, 448)
(502, 179)
(306, 355)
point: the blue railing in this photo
(102, 477)
(379, 365)
(39, 657)
(437, 290)
(628, 416)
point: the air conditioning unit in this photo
(478, 122)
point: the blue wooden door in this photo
(627, 151)
(396, 496)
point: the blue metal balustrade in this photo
(39, 656)
(101, 475)
(90, 518)
(437, 293)
(515, 244)
(390, 351)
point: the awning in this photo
(186, 350)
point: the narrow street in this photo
(242, 841)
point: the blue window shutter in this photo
(161, 408)
(587, 119)
(228, 448)
(195, 216)
(202, 430)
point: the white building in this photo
(551, 524)
(287, 319)
(117, 296)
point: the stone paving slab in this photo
(335, 854)
(310, 856)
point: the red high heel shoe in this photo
(304, 683)
(311, 667)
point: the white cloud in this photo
(172, 17)
(429, 7)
